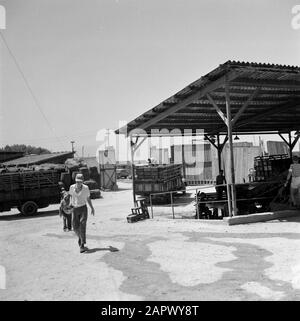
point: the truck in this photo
(29, 190)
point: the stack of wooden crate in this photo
(29, 180)
(160, 178)
(267, 167)
(159, 172)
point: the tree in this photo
(26, 149)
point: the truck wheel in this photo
(29, 208)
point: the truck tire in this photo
(29, 208)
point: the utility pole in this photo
(72, 143)
(107, 133)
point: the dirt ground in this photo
(156, 259)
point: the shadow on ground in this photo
(19, 216)
(97, 249)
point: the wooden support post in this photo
(182, 159)
(224, 142)
(289, 142)
(295, 141)
(137, 146)
(132, 144)
(219, 153)
(212, 141)
(218, 110)
(231, 158)
(290, 145)
(282, 137)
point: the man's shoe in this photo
(83, 249)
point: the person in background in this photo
(65, 211)
(251, 175)
(80, 194)
(220, 180)
(294, 172)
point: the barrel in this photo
(85, 172)
(66, 179)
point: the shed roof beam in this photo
(240, 82)
(219, 111)
(207, 89)
(270, 111)
(245, 105)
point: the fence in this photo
(194, 182)
(266, 193)
(169, 210)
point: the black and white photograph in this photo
(149, 152)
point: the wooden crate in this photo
(28, 180)
(158, 186)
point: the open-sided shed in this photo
(236, 97)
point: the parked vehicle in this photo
(29, 190)
(122, 173)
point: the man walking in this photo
(80, 196)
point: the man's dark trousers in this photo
(79, 223)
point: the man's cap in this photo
(79, 178)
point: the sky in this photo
(92, 64)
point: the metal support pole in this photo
(151, 205)
(231, 158)
(197, 207)
(172, 205)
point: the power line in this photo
(65, 137)
(28, 86)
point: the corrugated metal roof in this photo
(279, 86)
(37, 159)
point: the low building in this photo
(200, 161)
(276, 148)
(7, 156)
(29, 160)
